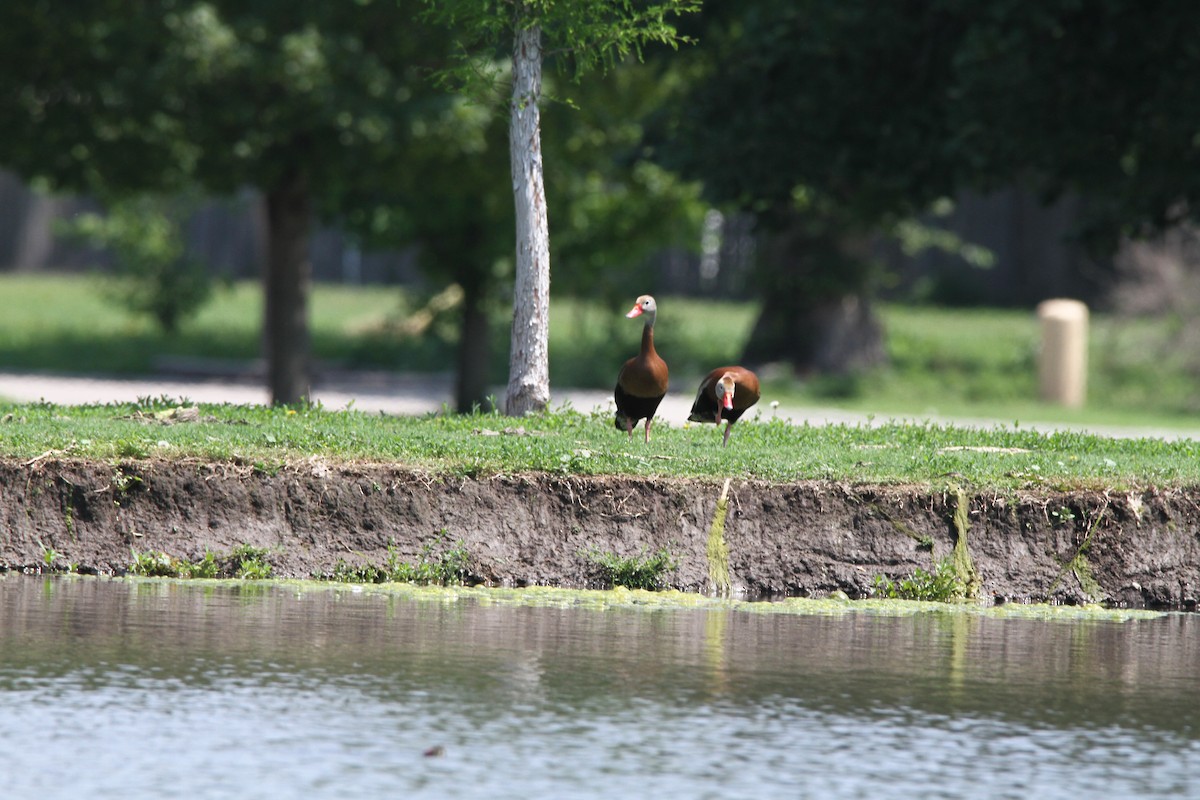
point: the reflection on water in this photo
(114, 688)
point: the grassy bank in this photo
(572, 443)
(972, 363)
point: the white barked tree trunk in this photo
(529, 356)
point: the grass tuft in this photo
(940, 585)
(643, 571)
(437, 563)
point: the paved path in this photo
(416, 394)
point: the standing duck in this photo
(642, 382)
(725, 393)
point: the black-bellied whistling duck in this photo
(642, 382)
(725, 393)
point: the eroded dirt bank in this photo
(810, 538)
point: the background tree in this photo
(1090, 99)
(154, 274)
(831, 121)
(452, 202)
(617, 209)
(587, 34)
(819, 119)
(614, 208)
(298, 100)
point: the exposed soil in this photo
(810, 538)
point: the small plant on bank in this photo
(343, 572)
(643, 571)
(154, 564)
(207, 567)
(49, 556)
(940, 585)
(1062, 516)
(245, 562)
(250, 563)
(436, 564)
(51, 559)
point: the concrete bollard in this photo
(1062, 367)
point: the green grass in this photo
(983, 363)
(572, 443)
(942, 362)
(354, 327)
(437, 563)
(64, 324)
(644, 571)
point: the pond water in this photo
(132, 689)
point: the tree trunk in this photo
(529, 356)
(288, 280)
(474, 351)
(817, 314)
(834, 336)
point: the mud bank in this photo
(808, 539)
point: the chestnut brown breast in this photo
(746, 394)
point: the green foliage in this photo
(792, 111)
(123, 482)
(586, 35)
(229, 93)
(1062, 516)
(583, 35)
(299, 101)
(154, 564)
(248, 563)
(793, 105)
(612, 208)
(1026, 98)
(784, 95)
(244, 562)
(153, 274)
(941, 585)
(916, 236)
(436, 563)
(643, 571)
(54, 561)
(207, 567)
(86, 93)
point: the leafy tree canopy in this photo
(871, 111)
(580, 35)
(226, 93)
